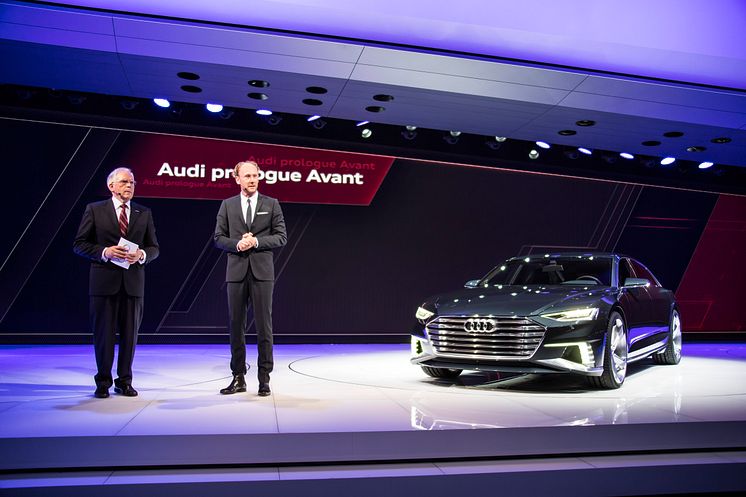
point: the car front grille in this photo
(494, 337)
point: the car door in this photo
(660, 298)
(635, 302)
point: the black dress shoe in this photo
(238, 384)
(101, 392)
(126, 390)
(264, 389)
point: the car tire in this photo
(441, 372)
(615, 354)
(672, 353)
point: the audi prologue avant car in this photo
(583, 313)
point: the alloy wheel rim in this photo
(676, 334)
(619, 350)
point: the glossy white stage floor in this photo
(362, 404)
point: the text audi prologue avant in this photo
(589, 313)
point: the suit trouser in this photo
(111, 314)
(259, 294)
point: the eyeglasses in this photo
(127, 182)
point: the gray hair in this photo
(116, 171)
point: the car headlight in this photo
(584, 314)
(423, 314)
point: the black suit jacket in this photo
(99, 229)
(268, 227)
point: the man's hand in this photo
(248, 241)
(116, 252)
(134, 257)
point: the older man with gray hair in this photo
(117, 276)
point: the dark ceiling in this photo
(70, 61)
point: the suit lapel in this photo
(111, 214)
(134, 215)
(259, 204)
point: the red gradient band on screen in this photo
(199, 168)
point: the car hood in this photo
(515, 300)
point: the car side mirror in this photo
(471, 284)
(635, 282)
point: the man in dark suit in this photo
(116, 292)
(249, 226)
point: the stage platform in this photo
(361, 418)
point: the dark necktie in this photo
(248, 214)
(123, 220)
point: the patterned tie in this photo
(123, 220)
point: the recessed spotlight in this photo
(696, 149)
(264, 112)
(375, 108)
(651, 143)
(362, 123)
(316, 90)
(188, 75)
(533, 154)
(626, 155)
(366, 133)
(383, 98)
(410, 127)
(543, 145)
(313, 118)
(585, 151)
(129, 104)
(312, 101)
(162, 102)
(705, 165)
(585, 122)
(722, 139)
(567, 132)
(258, 83)
(673, 134)
(215, 108)
(257, 96)
(668, 160)
(274, 120)
(501, 139)
(191, 89)
(318, 123)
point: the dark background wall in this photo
(348, 273)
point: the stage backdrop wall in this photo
(368, 236)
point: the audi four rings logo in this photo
(480, 325)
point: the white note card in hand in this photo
(131, 247)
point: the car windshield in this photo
(583, 270)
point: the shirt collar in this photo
(118, 203)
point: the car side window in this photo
(643, 272)
(625, 271)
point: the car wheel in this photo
(441, 372)
(672, 353)
(615, 354)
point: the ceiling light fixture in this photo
(264, 112)
(313, 118)
(706, 165)
(162, 102)
(626, 155)
(214, 108)
(362, 123)
(668, 160)
(543, 145)
(533, 154)
(366, 133)
(584, 150)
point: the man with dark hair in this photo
(249, 226)
(117, 276)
